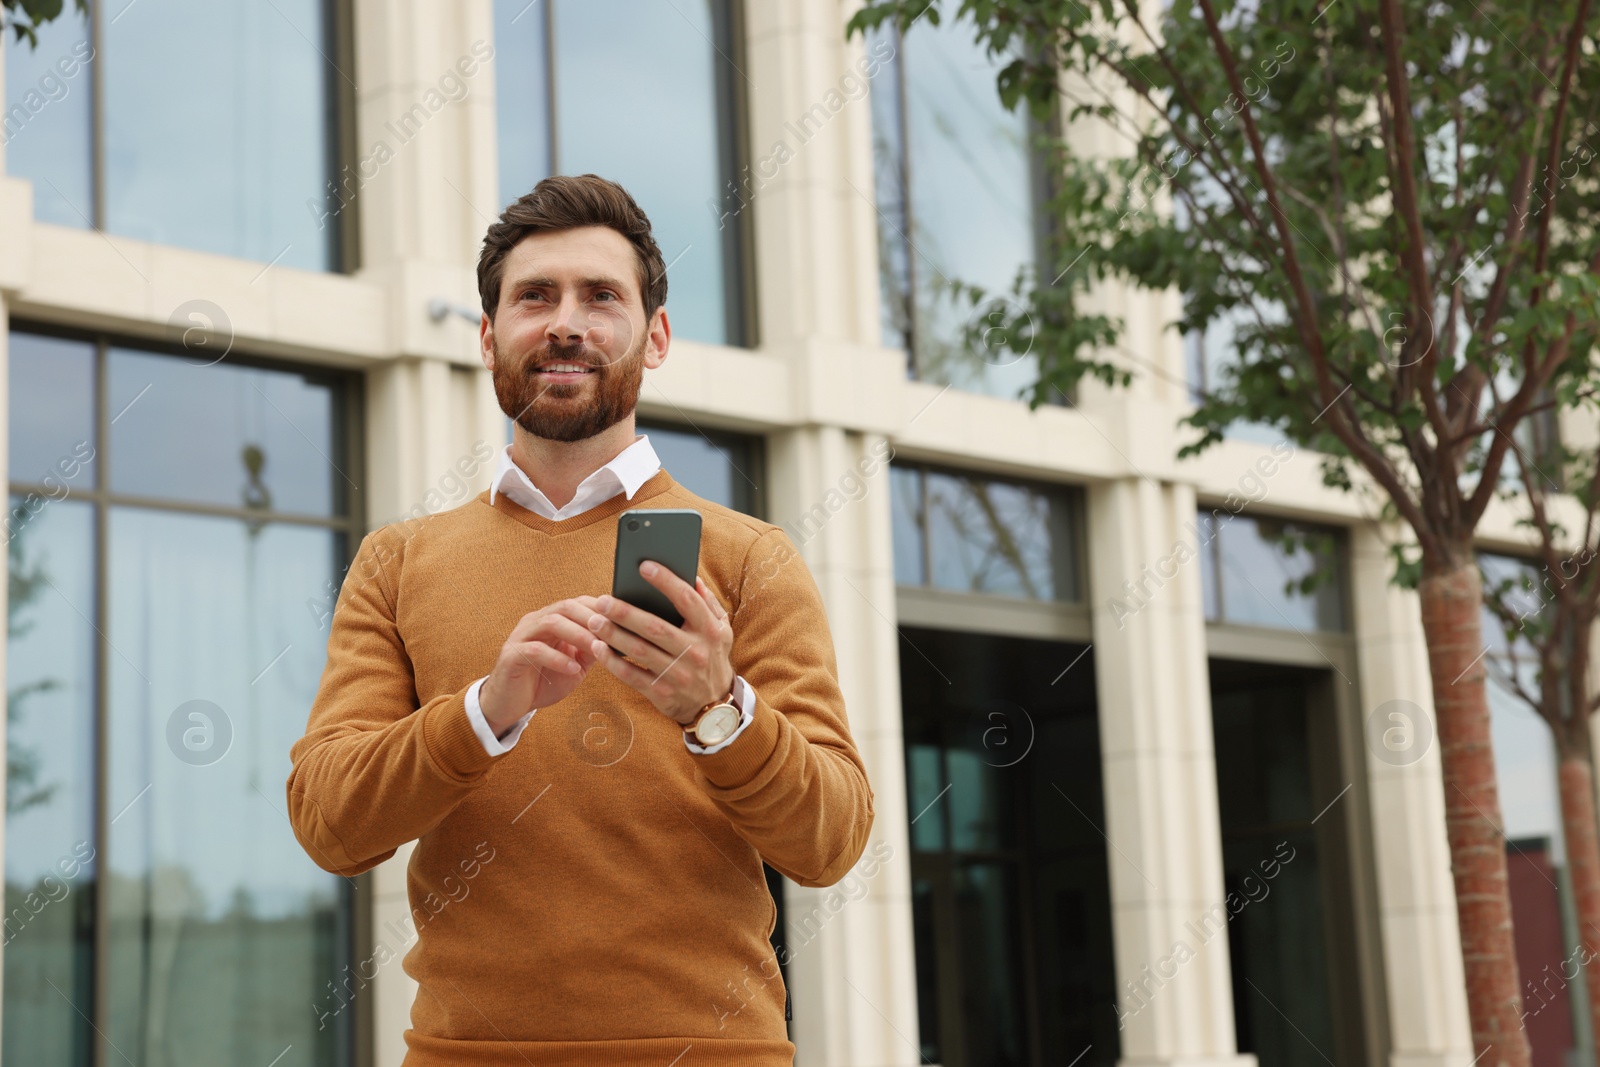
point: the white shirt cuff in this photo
(493, 745)
(747, 712)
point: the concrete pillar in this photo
(809, 189)
(853, 971)
(1416, 896)
(1163, 838)
(810, 174)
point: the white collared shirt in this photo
(630, 469)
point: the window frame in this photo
(1042, 187)
(1020, 858)
(1211, 555)
(740, 285)
(926, 604)
(1346, 844)
(355, 895)
(339, 103)
(752, 446)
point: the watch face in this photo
(717, 725)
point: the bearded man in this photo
(587, 885)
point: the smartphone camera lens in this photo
(633, 524)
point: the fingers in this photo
(696, 616)
(603, 631)
(543, 659)
(563, 621)
(644, 624)
(579, 652)
(634, 677)
(713, 605)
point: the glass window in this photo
(218, 922)
(52, 866)
(957, 195)
(251, 437)
(909, 525)
(1263, 571)
(1212, 355)
(1544, 908)
(1285, 914)
(722, 467)
(56, 375)
(522, 95)
(1011, 904)
(185, 630)
(615, 87)
(47, 122)
(218, 126)
(976, 534)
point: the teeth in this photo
(564, 367)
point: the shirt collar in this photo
(630, 469)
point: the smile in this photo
(564, 371)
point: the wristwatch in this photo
(715, 722)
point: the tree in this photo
(33, 14)
(1548, 615)
(1388, 205)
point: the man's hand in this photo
(542, 661)
(680, 669)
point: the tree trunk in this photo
(1452, 604)
(1583, 860)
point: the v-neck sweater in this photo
(595, 895)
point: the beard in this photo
(556, 411)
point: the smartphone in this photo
(670, 537)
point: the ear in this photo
(486, 342)
(657, 337)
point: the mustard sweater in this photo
(595, 895)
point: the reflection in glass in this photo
(908, 525)
(52, 412)
(521, 96)
(1210, 595)
(1254, 570)
(889, 178)
(50, 786)
(1272, 874)
(217, 121)
(1011, 894)
(637, 85)
(927, 783)
(989, 536)
(46, 126)
(1544, 909)
(183, 431)
(980, 816)
(971, 203)
(721, 467)
(986, 921)
(1213, 355)
(925, 930)
(222, 939)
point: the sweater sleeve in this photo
(793, 784)
(374, 770)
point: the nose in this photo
(566, 325)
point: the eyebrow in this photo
(594, 282)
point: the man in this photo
(587, 884)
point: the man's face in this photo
(569, 344)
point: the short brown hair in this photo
(565, 202)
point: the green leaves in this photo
(34, 13)
(1279, 182)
